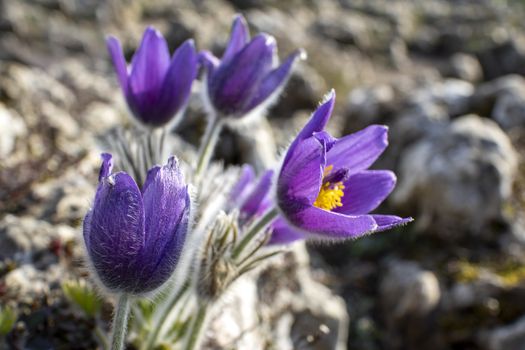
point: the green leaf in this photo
(8, 318)
(83, 295)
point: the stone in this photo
(457, 180)
(280, 305)
(13, 128)
(26, 281)
(409, 296)
(507, 57)
(369, 104)
(453, 94)
(303, 91)
(486, 94)
(26, 239)
(464, 67)
(237, 322)
(506, 337)
(408, 290)
(509, 110)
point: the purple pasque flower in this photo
(134, 237)
(325, 189)
(156, 87)
(251, 196)
(248, 76)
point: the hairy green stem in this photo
(197, 327)
(209, 141)
(255, 229)
(158, 323)
(102, 338)
(120, 323)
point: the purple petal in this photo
(106, 167)
(238, 192)
(176, 88)
(252, 204)
(238, 38)
(114, 231)
(167, 207)
(284, 233)
(300, 178)
(119, 62)
(364, 191)
(149, 66)
(325, 137)
(208, 60)
(234, 82)
(359, 150)
(274, 82)
(316, 123)
(327, 224)
(386, 222)
(320, 117)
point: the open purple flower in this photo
(325, 188)
(134, 237)
(248, 76)
(156, 87)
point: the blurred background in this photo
(445, 76)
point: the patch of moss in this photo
(511, 273)
(467, 272)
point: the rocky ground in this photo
(446, 76)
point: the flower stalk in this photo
(159, 322)
(255, 229)
(197, 327)
(208, 144)
(120, 322)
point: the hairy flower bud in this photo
(248, 76)
(134, 237)
(156, 87)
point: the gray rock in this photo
(67, 197)
(303, 90)
(28, 283)
(357, 29)
(408, 290)
(459, 178)
(409, 295)
(452, 94)
(464, 67)
(487, 94)
(471, 294)
(13, 128)
(509, 110)
(283, 306)
(503, 58)
(25, 239)
(507, 337)
(369, 104)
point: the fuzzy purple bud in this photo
(156, 87)
(134, 238)
(248, 76)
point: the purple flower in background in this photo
(248, 76)
(156, 87)
(325, 189)
(134, 237)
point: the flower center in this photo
(330, 194)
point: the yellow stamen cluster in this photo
(330, 195)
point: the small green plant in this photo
(83, 295)
(8, 318)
